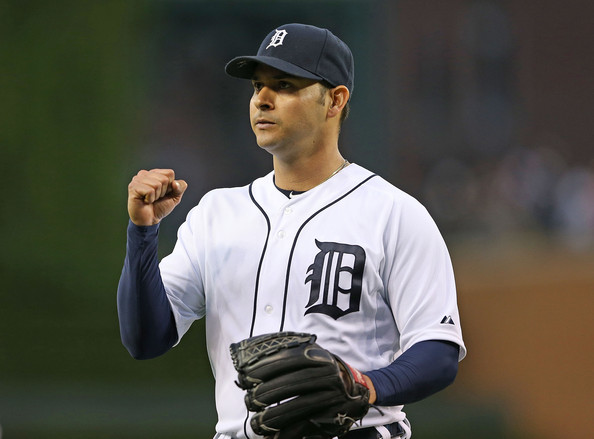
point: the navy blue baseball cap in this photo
(301, 50)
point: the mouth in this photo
(263, 123)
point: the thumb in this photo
(178, 188)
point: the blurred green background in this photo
(478, 108)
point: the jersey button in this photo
(281, 234)
(288, 210)
(268, 309)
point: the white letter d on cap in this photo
(277, 38)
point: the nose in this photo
(264, 98)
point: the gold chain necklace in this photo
(340, 168)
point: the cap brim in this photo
(244, 66)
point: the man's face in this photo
(287, 113)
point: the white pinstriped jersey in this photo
(354, 260)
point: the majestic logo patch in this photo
(447, 320)
(277, 38)
(336, 278)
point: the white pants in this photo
(381, 429)
(405, 426)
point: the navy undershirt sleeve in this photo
(147, 325)
(424, 369)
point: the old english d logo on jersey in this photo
(336, 279)
(277, 38)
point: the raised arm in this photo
(147, 326)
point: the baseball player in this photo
(318, 246)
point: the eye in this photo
(257, 86)
(283, 85)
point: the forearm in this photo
(147, 326)
(424, 369)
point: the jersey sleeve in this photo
(182, 274)
(420, 279)
(147, 326)
(424, 369)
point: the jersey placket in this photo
(270, 300)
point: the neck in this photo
(306, 173)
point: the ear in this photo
(339, 96)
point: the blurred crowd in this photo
(487, 170)
(526, 189)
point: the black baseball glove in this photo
(297, 388)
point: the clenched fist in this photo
(152, 195)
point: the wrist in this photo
(361, 379)
(369, 385)
(142, 231)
